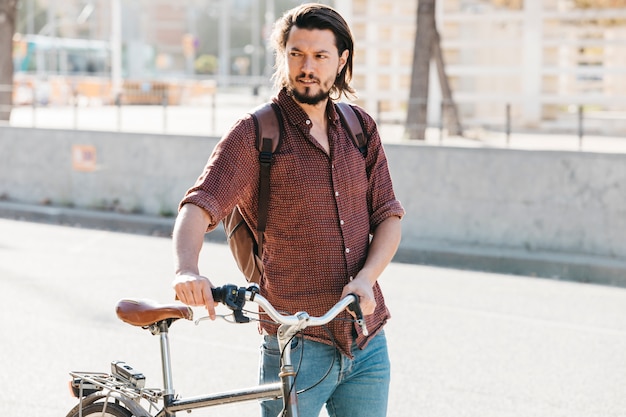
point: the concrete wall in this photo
(496, 203)
(142, 173)
(571, 202)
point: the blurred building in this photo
(542, 57)
(384, 33)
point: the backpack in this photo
(248, 253)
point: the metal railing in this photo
(156, 109)
(577, 126)
(139, 107)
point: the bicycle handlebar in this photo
(235, 297)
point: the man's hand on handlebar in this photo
(195, 290)
(362, 289)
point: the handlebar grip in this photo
(232, 297)
(218, 294)
(355, 307)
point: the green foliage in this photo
(206, 64)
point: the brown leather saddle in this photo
(147, 312)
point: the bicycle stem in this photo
(287, 372)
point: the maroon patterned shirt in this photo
(321, 212)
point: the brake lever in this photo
(355, 308)
(234, 298)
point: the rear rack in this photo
(85, 383)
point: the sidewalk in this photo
(215, 116)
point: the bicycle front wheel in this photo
(96, 410)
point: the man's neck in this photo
(316, 112)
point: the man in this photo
(333, 220)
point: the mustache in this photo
(309, 76)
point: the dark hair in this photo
(314, 16)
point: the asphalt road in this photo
(462, 343)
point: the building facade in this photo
(544, 60)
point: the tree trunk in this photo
(422, 51)
(449, 106)
(8, 12)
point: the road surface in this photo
(462, 343)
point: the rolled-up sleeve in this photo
(229, 175)
(381, 196)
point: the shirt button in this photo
(347, 250)
(341, 222)
(336, 193)
(308, 122)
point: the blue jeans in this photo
(356, 387)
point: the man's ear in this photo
(343, 59)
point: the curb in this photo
(92, 219)
(558, 266)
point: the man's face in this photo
(313, 63)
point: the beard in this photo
(307, 96)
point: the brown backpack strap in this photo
(268, 140)
(267, 125)
(354, 126)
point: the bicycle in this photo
(123, 393)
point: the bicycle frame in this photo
(127, 387)
(173, 405)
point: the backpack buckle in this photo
(265, 158)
